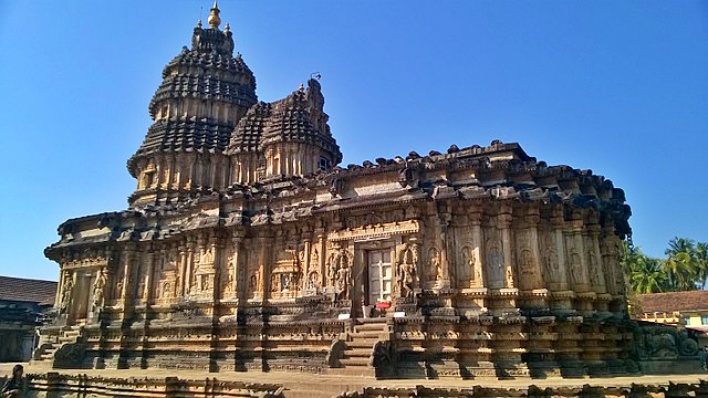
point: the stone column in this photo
(236, 238)
(181, 270)
(265, 243)
(578, 266)
(594, 258)
(189, 273)
(128, 286)
(558, 226)
(504, 220)
(530, 270)
(148, 295)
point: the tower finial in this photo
(214, 20)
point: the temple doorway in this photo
(380, 276)
(82, 296)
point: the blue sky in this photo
(619, 87)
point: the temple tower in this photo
(204, 92)
(287, 138)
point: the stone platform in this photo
(189, 383)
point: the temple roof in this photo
(696, 300)
(298, 117)
(27, 290)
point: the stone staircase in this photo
(360, 344)
(48, 346)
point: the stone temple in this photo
(246, 247)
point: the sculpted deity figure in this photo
(66, 293)
(526, 262)
(495, 260)
(254, 282)
(98, 288)
(575, 268)
(312, 281)
(407, 275)
(434, 260)
(275, 283)
(343, 282)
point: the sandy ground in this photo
(308, 385)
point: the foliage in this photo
(684, 268)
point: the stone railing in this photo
(53, 384)
(671, 390)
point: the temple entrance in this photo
(380, 276)
(82, 296)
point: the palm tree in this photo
(646, 274)
(681, 265)
(702, 262)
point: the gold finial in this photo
(214, 20)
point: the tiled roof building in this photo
(22, 302)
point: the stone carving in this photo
(407, 273)
(469, 261)
(495, 263)
(526, 263)
(576, 268)
(434, 264)
(98, 293)
(66, 293)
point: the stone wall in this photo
(53, 384)
(634, 391)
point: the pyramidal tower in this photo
(209, 129)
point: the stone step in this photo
(371, 327)
(362, 344)
(357, 352)
(357, 361)
(370, 334)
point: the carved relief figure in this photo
(254, 282)
(275, 283)
(98, 287)
(407, 275)
(526, 262)
(343, 282)
(576, 272)
(495, 263)
(230, 274)
(434, 261)
(66, 293)
(468, 263)
(312, 281)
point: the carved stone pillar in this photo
(528, 254)
(594, 258)
(130, 254)
(235, 266)
(504, 219)
(150, 258)
(265, 243)
(575, 258)
(182, 270)
(189, 272)
(558, 225)
(478, 277)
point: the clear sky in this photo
(619, 87)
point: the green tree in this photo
(682, 265)
(646, 274)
